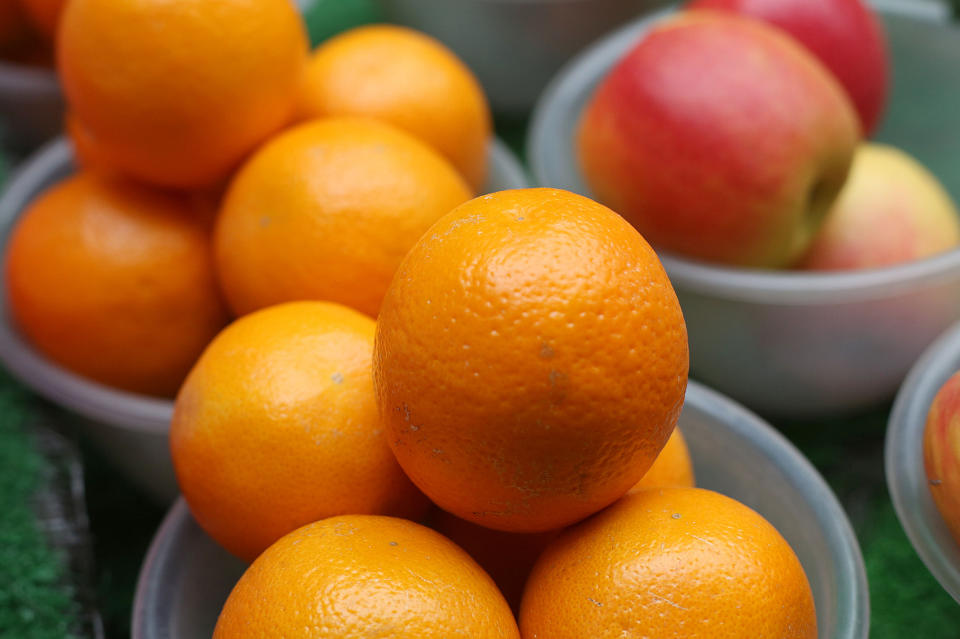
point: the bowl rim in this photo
(854, 610)
(90, 399)
(155, 566)
(853, 620)
(745, 284)
(28, 78)
(904, 464)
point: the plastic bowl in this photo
(130, 429)
(792, 343)
(186, 576)
(31, 106)
(906, 476)
(515, 46)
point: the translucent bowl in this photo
(906, 476)
(515, 46)
(186, 576)
(130, 429)
(31, 106)
(792, 343)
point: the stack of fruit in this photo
(526, 367)
(126, 270)
(728, 132)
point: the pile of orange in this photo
(518, 360)
(526, 373)
(225, 168)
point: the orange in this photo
(177, 93)
(114, 281)
(326, 211)
(15, 30)
(507, 557)
(361, 577)
(44, 14)
(672, 467)
(87, 153)
(276, 426)
(530, 360)
(409, 80)
(683, 563)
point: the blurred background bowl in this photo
(515, 46)
(186, 576)
(906, 476)
(791, 343)
(31, 106)
(130, 429)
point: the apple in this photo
(891, 210)
(941, 453)
(844, 34)
(720, 138)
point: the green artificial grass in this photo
(905, 599)
(36, 598)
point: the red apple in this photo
(721, 138)
(941, 453)
(844, 34)
(891, 210)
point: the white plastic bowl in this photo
(515, 46)
(792, 343)
(31, 106)
(186, 576)
(130, 429)
(906, 476)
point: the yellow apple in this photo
(891, 210)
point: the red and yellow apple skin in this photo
(844, 34)
(941, 453)
(891, 210)
(719, 138)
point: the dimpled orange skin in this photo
(507, 557)
(408, 79)
(672, 467)
(365, 577)
(684, 563)
(114, 281)
(177, 93)
(276, 426)
(530, 360)
(326, 211)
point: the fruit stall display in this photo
(282, 265)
